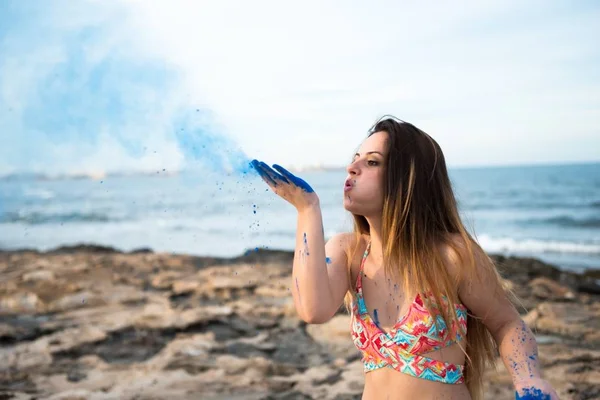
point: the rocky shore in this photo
(89, 322)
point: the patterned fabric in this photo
(402, 347)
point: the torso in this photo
(387, 297)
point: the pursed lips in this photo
(348, 185)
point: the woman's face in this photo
(363, 190)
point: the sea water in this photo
(548, 212)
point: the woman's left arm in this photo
(486, 298)
(519, 351)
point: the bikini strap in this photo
(362, 266)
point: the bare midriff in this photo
(389, 384)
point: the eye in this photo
(372, 163)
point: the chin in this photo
(350, 206)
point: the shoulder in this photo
(352, 245)
(459, 253)
(347, 242)
(466, 260)
(453, 248)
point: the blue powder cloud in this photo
(72, 81)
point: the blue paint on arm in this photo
(298, 290)
(327, 260)
(306, 245)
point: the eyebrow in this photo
(370, 152)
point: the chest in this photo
(385, 299)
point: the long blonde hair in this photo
(420, 214)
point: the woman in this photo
(428, 307)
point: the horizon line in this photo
(97, 174)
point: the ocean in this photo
(548, 212)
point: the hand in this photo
(535, 389)
(286, 185)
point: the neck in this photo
(376, 238)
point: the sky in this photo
(108, 86)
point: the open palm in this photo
(286, 185)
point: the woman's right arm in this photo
(320, 272)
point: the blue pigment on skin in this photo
(376, 317)
(327, 260)
(278, 173)
(306, 245)
(532, 393)
(262, 172)
(294, 179)
(298, 289)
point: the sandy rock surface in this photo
(89, 322)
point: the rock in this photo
(24, 358)
(565, 319)
(589, 287)
(76, 300)
(192, 354)
(39, 276)
(96, 323)
(259, 367)
(180, 287)
(547, 289)
(164, 280)
(334, 336)
(25, 302)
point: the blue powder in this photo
(532, 393)
(263, 172)
(327, 260)
(210, 149)
(294, 179)
(376, 317)
(281, 174)
(306, 244)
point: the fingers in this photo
(272, 173)
(271, 177)
(278, 174)
(263, 174)
(294, 179)
(283, 171)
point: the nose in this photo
(353, 169)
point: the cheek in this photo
(376, 185)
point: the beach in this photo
(92, 322)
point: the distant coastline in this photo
(99, 175)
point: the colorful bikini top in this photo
(402, 348)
